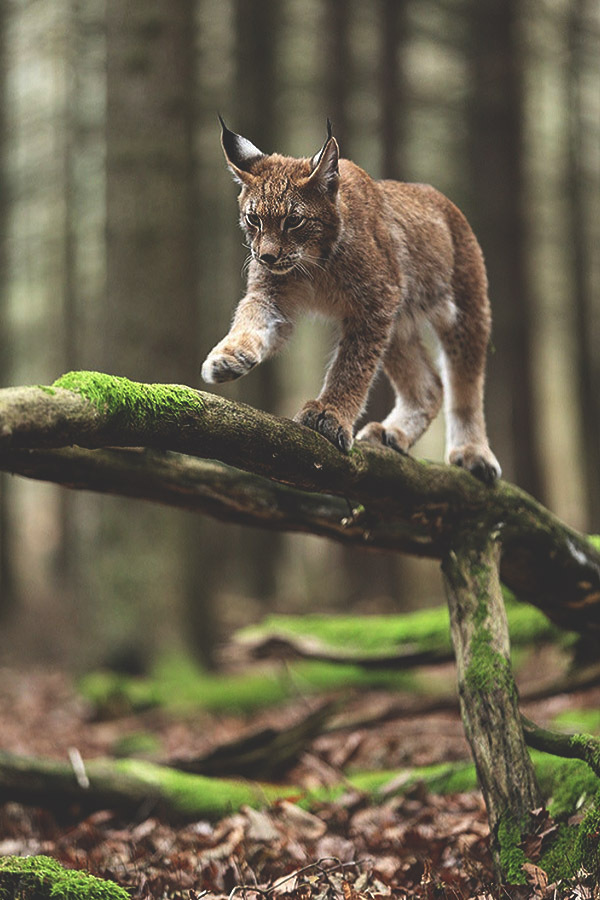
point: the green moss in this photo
(560, 858)
(137, 743)
(365, 634)
(423, 629)
(578, 720)
(46, 389)
(587, 843)
(215, 797)
(442, 778)
(142, 404)
(40, 877)
(568, 784)
(512, 857)
(487, 667)
(594, 540)
(176, 683)
(588, 747)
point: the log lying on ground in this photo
(420, 637)
(389, 501)
(135, 786)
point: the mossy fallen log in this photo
(129, 785)
(132, 786)
(393, 501)
(43, 878)
(386, 641)
(180, 685)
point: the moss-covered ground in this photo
(426, 629)
(178, 684)
(42, 878)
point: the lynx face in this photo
(287, 227)
(288, 208)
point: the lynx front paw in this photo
(227, 364)
(376, 433)
(327, 422)
(480, 461)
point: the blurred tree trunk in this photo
(68, 560)
(584, 48)
(258, 27)
(393, 28)
(338, 69)
(497, 212)
(151, 327)
(7, 586)
(151, 330)
(371, 578)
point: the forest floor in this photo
(416, 845)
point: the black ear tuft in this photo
(318, 156)
(324, 164)
(239, 151)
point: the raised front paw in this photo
(327, 422)
(227, 363)
(479, 460)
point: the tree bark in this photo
(487, 691)
(570, 746)
(389, 501)
(151, 310)
(581, 201)
(257, 40)
(498, 215)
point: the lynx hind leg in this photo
(464, 348)
(418, 391)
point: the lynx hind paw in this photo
(481, 462)
(327, 422)
(376, 433)
(227, 365)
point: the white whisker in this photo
(246, 264)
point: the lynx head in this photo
(288, 207)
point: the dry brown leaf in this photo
(536, 877)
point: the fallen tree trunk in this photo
(389, 501)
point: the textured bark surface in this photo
(571, 746)
(373, 497)
(488, 695)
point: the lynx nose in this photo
(268, 258)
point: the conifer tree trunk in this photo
(6, 577)
(582, 199)
(150, 325)
(393, 27)
(497, 213)
(257, 33)
(338, 69)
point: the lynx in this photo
(383, 258)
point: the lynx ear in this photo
(240, 153)
(325, 164)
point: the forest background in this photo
(121, 252)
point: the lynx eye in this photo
(291, 222)
(253, 220)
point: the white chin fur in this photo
(207, 372)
